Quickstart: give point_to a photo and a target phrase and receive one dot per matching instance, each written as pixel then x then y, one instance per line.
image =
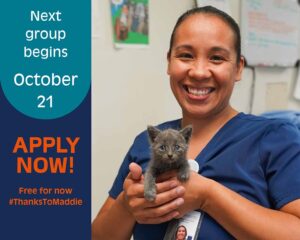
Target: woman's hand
pixel 197 190
pixel 164 208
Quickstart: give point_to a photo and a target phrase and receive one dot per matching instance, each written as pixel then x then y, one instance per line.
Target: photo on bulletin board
pixel 270 32
pixel 130 21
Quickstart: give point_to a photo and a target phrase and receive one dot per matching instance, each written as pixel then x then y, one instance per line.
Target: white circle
pixel 193 165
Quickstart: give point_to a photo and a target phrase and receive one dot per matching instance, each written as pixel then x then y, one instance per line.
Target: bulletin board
pixel 270 32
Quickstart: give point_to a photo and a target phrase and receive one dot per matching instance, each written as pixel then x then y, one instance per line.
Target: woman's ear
pixel 240 68
pixel 168 59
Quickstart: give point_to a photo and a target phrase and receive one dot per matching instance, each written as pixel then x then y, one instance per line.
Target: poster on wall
pixel 270 30
pixel 45 142
pixel 130 20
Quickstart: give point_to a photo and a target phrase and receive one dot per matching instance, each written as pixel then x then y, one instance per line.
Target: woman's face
pixel 202 65
pixel 181 233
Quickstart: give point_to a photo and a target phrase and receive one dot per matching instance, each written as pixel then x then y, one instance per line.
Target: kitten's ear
pixel 152 132
pixel 187 132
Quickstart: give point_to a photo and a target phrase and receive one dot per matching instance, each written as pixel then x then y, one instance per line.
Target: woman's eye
pixel 217 58
pixel 185 56
pixel 162 148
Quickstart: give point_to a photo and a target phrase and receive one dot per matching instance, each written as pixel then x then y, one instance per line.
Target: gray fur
pixel 168 149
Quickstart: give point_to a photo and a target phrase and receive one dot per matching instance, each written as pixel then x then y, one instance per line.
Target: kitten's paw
pixel 150 195
pixel 183 176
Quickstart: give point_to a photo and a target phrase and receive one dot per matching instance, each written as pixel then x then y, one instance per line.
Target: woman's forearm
pixel 113 221
pixel 247 220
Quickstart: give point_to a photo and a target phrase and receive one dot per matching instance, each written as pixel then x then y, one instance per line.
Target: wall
pixel 130 88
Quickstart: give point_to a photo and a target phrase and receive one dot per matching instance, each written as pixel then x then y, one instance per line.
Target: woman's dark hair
pixel 215 12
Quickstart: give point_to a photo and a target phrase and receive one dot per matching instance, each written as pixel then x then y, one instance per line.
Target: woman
pixel 181 233
pixel 248 184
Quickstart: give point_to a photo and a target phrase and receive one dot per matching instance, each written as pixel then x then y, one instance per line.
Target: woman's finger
pixel 166 185
pixel 162 213
pixel 135 171
pixel 134 190
pixel 165 197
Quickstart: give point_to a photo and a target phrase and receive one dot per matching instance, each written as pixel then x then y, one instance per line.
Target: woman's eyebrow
pixel 183 47
pixel 220 49
pixel 213 49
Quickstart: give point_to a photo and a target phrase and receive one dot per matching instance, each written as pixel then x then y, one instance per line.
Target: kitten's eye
pixel 176 147
pixel 162 148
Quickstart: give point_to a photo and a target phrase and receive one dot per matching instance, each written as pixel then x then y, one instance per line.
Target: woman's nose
pixel 199 70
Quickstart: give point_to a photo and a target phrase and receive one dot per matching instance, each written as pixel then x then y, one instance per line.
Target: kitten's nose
pixel 170 155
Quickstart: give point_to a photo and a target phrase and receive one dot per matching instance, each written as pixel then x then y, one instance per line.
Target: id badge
pixel 186 228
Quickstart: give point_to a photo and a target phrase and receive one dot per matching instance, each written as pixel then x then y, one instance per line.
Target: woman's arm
pixel 113 221
pixel 116 218
pixel 247 220
pixel 239 216
pixel 114 213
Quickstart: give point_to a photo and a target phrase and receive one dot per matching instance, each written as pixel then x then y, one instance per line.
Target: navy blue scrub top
pixel 256 157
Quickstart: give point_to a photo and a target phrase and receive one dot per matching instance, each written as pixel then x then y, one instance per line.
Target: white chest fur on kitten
pixel 168 152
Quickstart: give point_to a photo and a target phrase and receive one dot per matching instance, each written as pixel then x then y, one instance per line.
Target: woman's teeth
pixel 199 91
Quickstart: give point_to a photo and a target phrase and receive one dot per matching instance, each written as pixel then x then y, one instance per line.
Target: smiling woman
pixel 199 53
pixel 247 184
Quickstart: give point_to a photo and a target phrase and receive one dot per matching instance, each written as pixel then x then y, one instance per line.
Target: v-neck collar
pixel 207 151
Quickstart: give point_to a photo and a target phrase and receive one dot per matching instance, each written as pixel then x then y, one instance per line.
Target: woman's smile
pixel 198 93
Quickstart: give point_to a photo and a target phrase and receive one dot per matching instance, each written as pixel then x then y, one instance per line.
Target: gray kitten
pixel 168 149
